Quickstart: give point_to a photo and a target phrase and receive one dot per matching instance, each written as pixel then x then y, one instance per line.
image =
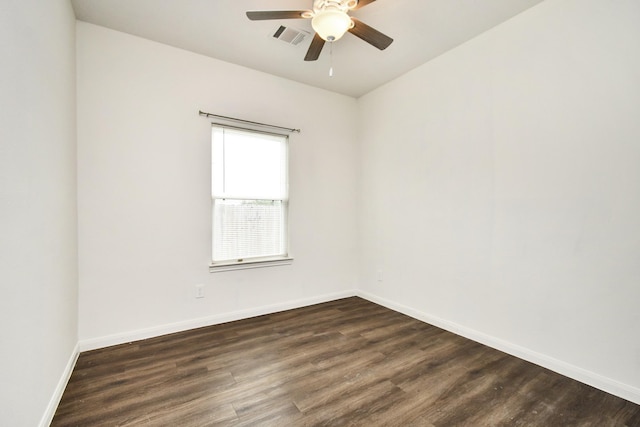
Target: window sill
pixel 229 266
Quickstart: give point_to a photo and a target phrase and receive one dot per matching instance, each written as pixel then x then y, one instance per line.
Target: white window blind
pixel 250 195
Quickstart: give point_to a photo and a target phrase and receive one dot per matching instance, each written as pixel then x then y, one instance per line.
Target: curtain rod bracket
pixel 208 115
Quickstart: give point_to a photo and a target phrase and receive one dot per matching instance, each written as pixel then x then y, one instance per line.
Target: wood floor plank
pixel 345 362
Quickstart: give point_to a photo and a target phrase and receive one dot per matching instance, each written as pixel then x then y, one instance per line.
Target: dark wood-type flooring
pixel 346 362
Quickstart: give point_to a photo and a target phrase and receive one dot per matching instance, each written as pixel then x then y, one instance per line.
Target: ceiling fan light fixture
pixel 331 24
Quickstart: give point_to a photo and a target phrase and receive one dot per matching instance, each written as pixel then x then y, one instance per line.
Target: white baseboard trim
pixel 140 334
pixel 598 381
pixel 47 417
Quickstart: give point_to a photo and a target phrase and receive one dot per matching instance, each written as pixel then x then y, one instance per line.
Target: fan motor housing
pixel 339 5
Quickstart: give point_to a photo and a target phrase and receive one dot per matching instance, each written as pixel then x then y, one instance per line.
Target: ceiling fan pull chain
pixel 331 59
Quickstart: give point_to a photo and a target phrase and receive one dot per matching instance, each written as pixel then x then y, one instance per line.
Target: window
pixel 250 198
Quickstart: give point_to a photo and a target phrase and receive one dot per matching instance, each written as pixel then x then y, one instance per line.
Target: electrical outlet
pixel 199 291
pixel 380 276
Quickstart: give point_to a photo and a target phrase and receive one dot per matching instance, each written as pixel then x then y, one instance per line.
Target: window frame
pixel 261 261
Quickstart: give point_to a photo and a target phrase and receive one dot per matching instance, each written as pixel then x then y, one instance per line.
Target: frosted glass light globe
pixel 331 24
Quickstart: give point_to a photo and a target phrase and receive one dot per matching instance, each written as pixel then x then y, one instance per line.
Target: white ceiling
pixel 421 29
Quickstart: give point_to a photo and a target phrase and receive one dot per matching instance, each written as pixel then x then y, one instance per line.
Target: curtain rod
pixel 202 113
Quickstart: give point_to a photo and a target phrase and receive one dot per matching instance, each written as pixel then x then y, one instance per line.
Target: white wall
pixel 144 189
pixel 501 190
pixel 38 250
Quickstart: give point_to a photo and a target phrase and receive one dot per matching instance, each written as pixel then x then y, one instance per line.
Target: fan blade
pixel 370 34
pixel 362 3
pixel 261 15
pixel 315 48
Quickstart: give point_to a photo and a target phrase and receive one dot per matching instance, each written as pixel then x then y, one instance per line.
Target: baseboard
pixel 59 390
pixel 598 381
pixel 140 334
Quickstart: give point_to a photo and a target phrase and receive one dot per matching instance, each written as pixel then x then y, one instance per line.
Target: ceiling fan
pixel 330 20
